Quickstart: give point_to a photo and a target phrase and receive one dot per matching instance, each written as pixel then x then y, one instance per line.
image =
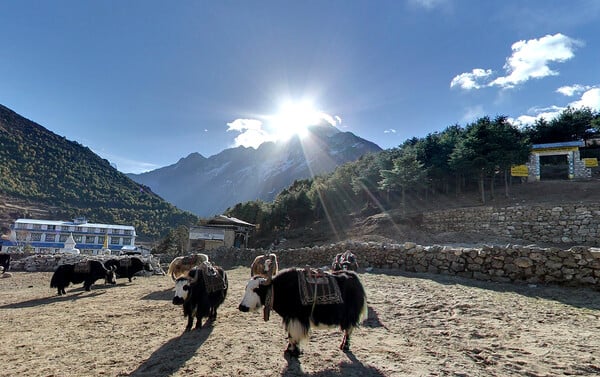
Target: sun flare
pixel 294 118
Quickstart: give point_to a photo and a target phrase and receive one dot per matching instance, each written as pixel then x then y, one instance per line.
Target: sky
pixel 145 83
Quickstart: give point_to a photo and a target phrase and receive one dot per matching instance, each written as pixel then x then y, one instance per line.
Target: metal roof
pixel 72 223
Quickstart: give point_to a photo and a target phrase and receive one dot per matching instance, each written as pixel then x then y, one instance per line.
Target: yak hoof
pixel 295 352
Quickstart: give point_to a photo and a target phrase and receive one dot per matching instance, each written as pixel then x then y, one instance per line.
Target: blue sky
pixel 145 83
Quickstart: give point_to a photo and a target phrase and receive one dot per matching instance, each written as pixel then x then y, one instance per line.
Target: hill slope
pixel 65 179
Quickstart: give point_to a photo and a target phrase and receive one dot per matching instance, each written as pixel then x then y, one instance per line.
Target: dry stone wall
pixel 49 262
pixel 577 266
pixel 576 223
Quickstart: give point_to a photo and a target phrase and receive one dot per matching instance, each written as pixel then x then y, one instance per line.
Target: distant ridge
pixel 208 186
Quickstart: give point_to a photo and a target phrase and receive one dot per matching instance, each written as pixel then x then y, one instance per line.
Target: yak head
pixel 255 293
pixel 182 289
pixel 111 275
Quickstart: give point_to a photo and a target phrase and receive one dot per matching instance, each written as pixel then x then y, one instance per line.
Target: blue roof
pixel 563 144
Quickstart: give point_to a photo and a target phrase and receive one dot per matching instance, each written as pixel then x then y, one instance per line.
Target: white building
pixel 49 236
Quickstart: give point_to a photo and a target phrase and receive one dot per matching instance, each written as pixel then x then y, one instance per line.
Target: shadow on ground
pixel 171 356
pixel 353 367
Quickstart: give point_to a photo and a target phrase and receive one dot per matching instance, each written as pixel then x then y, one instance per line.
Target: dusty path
pixel 419 325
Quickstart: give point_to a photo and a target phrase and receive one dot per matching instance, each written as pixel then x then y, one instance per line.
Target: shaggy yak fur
pixel 197 298
pixel 283 292
pixel 66 274
pixel 127 267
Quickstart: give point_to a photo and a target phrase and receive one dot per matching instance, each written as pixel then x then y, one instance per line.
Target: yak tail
pixel 53 281
pixel 364 312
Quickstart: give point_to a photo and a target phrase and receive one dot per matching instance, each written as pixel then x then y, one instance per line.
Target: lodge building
pixel 49 236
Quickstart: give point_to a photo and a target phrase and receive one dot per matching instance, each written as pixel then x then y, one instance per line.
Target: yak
pixel 127 267
pixel 285 293
pixel 201 292
pixel 181 265
pixel 263 265
pixel 345 261
pixel 4 262
pixel 85 271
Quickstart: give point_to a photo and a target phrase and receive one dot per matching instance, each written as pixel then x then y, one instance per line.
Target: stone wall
pixel 566 224
pixel 577 266
pixel 49 262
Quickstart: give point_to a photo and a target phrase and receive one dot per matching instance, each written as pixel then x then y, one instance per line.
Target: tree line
pixel 474 158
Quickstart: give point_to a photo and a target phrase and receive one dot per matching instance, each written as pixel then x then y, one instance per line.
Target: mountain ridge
pixel 241 174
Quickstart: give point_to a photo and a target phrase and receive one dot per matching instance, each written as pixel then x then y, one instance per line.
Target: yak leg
pixel 190 321
pixel 345 346
pixel 293 349
pixel 297 331
pixel 212 314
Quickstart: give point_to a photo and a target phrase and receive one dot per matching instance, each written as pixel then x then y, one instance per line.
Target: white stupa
pixel 69 246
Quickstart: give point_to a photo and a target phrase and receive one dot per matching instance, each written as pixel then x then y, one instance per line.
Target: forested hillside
pixel 38 166
pixel 433 172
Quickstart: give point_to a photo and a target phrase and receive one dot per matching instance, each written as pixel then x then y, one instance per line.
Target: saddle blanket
pixel 317 287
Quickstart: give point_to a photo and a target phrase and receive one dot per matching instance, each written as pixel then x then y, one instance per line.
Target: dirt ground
pixel 418 325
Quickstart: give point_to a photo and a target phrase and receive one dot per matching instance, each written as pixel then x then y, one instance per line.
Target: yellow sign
pixel 590 162
pixel 519 171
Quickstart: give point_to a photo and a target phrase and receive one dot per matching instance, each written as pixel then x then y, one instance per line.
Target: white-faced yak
pixel 127 267
pixel 86 272
pixel 305 298
pixel 201 292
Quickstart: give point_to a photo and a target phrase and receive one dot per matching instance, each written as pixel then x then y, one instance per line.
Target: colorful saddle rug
pixel 318 287
pixel 212 280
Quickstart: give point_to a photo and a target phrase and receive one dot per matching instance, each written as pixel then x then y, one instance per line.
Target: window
pixel 90 239
pixel 126 240
pixel 115 240
pixel 50 237
pixel 101 239
pixel 37 226
pixel 63 237
pixel 36 237
pixel 51 227
pixel 127 232
pixel 78 238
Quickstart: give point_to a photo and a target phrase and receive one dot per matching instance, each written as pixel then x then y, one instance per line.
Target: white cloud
pixel 389 131
pixel 530 58
pixel 251 132
pixel 471 80
pixel 589 99
pixel 572 90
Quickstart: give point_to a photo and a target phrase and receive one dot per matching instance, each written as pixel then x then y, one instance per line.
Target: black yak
pixel 306 298
pixel 86 272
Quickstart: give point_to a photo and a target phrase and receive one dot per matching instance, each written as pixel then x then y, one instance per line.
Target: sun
pixel 294 118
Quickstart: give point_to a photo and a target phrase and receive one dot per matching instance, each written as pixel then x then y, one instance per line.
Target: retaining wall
pixel 570 224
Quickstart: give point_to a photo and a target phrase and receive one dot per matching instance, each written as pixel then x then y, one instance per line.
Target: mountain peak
pixel 206 186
